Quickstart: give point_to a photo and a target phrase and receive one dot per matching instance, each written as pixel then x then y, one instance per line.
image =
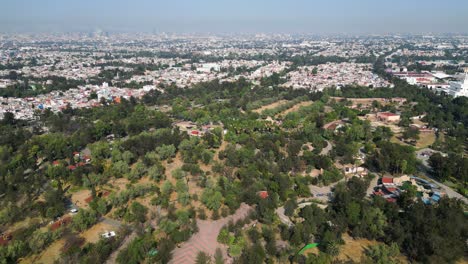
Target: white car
pixel 108 234
pixel 74 210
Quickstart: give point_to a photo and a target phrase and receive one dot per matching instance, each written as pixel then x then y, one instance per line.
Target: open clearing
pixel 78 198
pixel 425 140
pixel 49 255
pixel 93 234
pixel 354 249
pixel 206 238
pixel 270 106
pixel 294 108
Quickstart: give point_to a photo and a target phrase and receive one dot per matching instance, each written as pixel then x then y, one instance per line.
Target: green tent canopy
pixel 307 247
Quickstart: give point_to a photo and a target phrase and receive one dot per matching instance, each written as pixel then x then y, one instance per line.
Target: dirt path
pixel 206 239
pixel 113 257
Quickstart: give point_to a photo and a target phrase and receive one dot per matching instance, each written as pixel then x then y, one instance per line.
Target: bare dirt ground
pixel 93 234
pixel 294 108
pixel 79 198
pixel 120 184
pixel 375 123
pixel 49 255
pixel 270 106
pixel 206 239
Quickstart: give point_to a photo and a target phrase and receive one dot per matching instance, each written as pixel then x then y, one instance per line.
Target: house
pixel 356 170
pixel 387 181
pixel 334 126
pixel 388 117
pixel 263 194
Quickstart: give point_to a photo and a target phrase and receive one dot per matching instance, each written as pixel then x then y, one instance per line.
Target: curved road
pixel 326 149
pixel 449 191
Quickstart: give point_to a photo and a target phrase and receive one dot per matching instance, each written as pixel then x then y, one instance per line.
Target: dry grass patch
pixel 270 106
pixel 294 108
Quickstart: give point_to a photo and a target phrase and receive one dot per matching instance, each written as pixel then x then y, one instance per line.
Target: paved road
pixel 283 218
pixel 326 149
pixel 449 191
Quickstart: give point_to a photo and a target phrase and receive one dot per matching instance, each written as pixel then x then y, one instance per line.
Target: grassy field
pixel 425 140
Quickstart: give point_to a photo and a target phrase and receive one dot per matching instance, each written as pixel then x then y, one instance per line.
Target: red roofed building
pixel 387 181
pixel 263 194
pixel 61 222
pixel 391 189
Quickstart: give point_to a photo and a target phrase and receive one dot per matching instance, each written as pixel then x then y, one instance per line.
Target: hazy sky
pixel 293 16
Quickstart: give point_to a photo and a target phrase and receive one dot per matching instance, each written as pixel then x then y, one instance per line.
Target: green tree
pixel 166 151
pixel 383 254
pixel 203 258
pixel 84 219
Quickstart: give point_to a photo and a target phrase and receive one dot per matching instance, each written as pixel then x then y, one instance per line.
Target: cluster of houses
pixel 79 159
pixel 391 188
pixel 193 129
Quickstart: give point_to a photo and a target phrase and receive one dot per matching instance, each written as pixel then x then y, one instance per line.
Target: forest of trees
pixel 256 156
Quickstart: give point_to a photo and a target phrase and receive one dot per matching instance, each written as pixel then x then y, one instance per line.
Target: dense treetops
pixel 220 170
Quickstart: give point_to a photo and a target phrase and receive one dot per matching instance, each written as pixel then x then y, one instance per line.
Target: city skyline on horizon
pixel 261 16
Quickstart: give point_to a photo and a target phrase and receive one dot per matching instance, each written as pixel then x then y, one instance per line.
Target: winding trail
pixel 326 149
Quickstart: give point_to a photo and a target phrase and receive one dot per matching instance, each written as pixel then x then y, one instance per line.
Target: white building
pixel 208 67
pixel 459 88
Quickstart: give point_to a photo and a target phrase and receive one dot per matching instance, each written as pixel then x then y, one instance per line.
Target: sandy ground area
pixel 93 234
pixel 79 198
